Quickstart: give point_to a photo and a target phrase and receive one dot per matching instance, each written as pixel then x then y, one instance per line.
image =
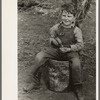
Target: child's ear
pixel 74 19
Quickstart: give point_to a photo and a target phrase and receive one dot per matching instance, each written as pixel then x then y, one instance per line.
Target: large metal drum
pixel 58 75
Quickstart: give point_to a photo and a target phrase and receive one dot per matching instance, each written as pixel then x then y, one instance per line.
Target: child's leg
pixel 76 70
pixel 76 75
pixel 40 60
pixel 44 56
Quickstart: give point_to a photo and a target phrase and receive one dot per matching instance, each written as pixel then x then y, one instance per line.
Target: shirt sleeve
pixel 79 40
pixel 53 31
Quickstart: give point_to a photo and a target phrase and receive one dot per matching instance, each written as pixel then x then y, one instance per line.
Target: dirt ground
pixel 33 34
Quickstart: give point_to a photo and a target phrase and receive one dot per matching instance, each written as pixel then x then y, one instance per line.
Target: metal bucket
pixel 58 75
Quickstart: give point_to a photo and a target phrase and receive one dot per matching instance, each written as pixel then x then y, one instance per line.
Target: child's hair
pixel 69 8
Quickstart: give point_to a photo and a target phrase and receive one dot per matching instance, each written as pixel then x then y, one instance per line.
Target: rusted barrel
pixel 58 75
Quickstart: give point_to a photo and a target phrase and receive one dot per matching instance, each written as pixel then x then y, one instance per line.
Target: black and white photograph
pixel 56 49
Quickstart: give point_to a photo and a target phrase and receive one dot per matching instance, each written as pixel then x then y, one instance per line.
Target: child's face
pixel 67 18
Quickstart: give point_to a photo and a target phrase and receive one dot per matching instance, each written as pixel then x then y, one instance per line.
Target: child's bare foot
pixel 78 92
pixel 31 86
pixel 32 83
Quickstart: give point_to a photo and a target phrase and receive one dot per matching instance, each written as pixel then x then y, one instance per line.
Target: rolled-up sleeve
pixel 79 40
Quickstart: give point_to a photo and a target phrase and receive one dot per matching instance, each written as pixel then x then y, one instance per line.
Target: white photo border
pixel 9 50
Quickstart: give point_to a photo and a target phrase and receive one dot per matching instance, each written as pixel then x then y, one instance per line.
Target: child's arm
pixel 78 45
pixel 79 40
pixel 54 40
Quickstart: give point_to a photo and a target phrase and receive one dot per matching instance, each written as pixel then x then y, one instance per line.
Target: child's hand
pixel 64 49
pixel 54 42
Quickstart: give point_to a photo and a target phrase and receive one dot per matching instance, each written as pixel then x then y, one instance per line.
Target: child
pixel 66 40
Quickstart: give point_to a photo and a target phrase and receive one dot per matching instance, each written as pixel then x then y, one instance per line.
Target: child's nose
pixel 66 18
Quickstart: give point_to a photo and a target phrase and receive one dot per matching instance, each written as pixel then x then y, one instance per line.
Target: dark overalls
pixel 67 38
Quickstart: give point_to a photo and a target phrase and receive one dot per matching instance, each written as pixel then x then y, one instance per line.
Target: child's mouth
pixel 66 21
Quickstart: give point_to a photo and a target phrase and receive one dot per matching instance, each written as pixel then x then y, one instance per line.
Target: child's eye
pixel 69 16
pixel 64 15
